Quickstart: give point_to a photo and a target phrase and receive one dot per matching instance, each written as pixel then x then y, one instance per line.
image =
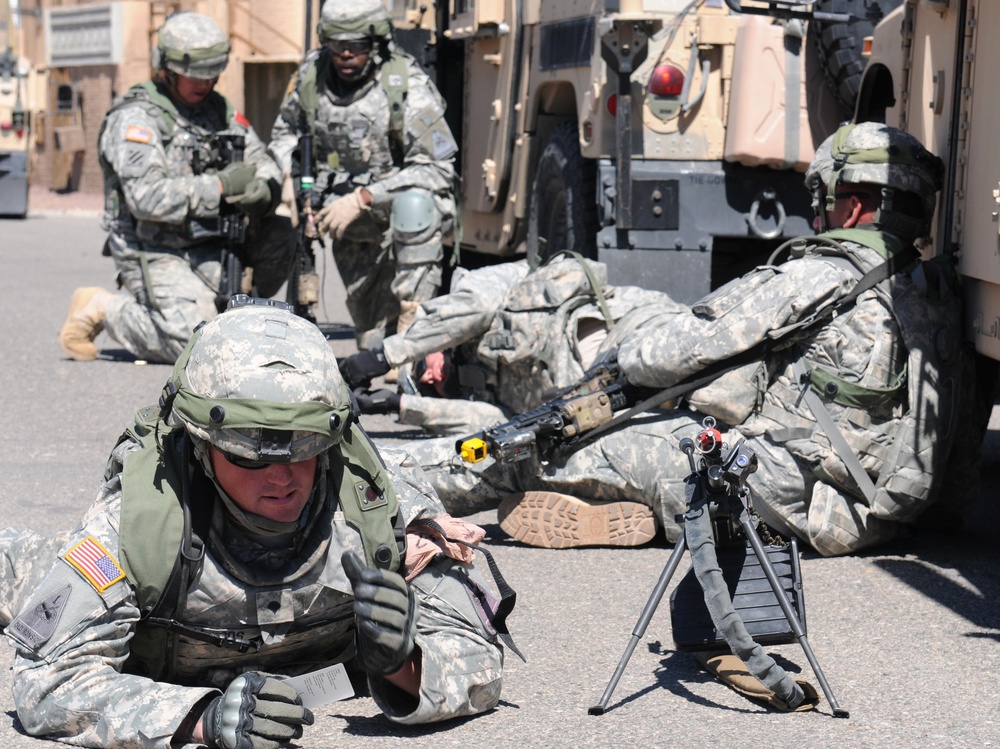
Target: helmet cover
pixel 261 383
pixel 354 20
pixel 878 154
pixel 192 45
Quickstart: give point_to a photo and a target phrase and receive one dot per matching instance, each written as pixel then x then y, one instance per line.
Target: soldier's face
pixel 278 492
pixel 192 91
pixel 350 57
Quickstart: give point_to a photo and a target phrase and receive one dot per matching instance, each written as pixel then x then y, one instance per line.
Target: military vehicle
pixel 14 126
pixel 666 138
pixel 927 73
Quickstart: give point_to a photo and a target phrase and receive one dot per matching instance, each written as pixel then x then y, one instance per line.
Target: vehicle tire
pixel 839 45
pixel 563 211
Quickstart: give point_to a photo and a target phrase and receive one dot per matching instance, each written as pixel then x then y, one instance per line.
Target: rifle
pixel 228 149
pixel 560 421
pixel 584 411
pixel 303 281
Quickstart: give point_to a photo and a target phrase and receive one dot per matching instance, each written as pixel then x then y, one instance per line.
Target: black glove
pixel 255 712
pixel 257 200
pixel 385 612
pixel 359 370
pixel 381 401
pixel 235 178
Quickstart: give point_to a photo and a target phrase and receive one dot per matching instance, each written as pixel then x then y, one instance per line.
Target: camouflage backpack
pixel 935 388
pixel 528 349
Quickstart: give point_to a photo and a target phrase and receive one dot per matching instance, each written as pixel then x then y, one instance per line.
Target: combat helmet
pixel 259 383
pixel 354 20
pixel 878 154
pixel 191 44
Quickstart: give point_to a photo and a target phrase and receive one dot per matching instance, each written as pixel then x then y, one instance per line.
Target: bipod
pixel 733 508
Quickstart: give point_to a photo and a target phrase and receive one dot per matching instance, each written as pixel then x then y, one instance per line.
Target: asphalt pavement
pixel 908 635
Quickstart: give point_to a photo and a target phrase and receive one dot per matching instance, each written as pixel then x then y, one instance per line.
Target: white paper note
pixel 322 687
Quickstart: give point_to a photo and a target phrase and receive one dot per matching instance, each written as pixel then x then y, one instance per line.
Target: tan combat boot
pixel 84 321
pixel 407 313
pixel 559 521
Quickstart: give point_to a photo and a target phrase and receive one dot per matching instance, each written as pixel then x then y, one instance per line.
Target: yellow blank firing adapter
pixel 473 450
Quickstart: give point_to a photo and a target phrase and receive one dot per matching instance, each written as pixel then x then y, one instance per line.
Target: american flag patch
pixel 95 563
pixel 138 134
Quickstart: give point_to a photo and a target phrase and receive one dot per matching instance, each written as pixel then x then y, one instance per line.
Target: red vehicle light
pixel 667 80
pixel 613 104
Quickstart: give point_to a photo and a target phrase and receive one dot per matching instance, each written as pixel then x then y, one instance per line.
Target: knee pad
pixel 415 218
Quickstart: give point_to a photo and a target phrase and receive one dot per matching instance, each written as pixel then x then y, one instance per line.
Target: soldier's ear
pixel 857 213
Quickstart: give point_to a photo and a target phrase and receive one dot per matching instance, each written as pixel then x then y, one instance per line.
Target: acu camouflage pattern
pixel 163 220
pixel 354 20
pixel 191 44
pixel 353 149
pixel 521 329
pixel 265 355
pixel 875 153
pixel 801 485
pixel 76 686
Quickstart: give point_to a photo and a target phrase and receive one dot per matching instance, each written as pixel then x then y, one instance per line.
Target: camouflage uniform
pixel 517 364
pixel 802 485
pixel 163 216
pixel 288 594
pixel 381 266
pixel 162 220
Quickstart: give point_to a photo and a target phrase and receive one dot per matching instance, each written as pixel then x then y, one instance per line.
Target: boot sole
pixel 559 521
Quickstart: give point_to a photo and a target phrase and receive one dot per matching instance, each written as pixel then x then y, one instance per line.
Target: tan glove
pixel 341 213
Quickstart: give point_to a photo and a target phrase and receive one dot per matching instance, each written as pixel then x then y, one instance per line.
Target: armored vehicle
pixel 666 138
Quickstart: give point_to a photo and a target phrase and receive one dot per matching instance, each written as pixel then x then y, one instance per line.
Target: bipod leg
pixel 640 626
pixel 786 607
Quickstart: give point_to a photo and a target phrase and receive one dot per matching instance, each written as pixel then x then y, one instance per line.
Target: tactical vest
pixel 393 76
pixel 163 531
pixel 149 94
pixel 528 349
pixel 903 432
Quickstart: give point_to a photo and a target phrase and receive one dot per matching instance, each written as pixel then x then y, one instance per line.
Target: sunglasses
pixel 247 463
pixel 354 46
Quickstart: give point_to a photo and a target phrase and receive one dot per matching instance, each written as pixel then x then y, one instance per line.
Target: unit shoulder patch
pixel 95 563
pixel 35 626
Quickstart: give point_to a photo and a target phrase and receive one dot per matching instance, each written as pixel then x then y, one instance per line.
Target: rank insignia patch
pixel 95 563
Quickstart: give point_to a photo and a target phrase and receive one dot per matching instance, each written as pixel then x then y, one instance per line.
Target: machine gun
pixel 225 149
pixel 303 282
pixel 721 604
pixel 557 422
